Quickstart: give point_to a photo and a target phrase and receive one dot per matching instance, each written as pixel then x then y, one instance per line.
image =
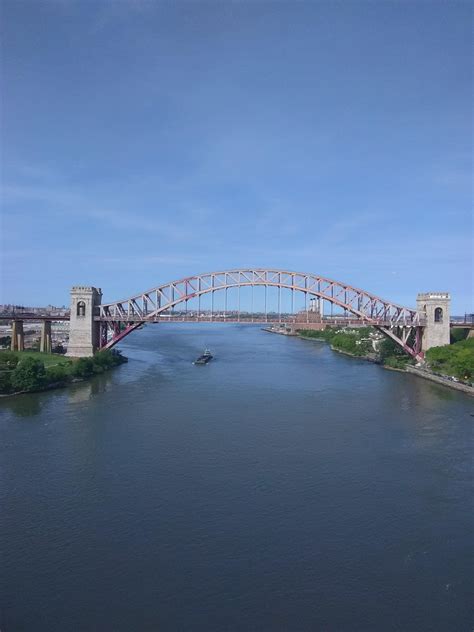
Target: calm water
pixel 281 487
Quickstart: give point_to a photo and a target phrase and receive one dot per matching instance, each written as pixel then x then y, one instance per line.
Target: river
pixel 281 487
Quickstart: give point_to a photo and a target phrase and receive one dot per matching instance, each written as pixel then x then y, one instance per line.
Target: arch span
pixel 124 316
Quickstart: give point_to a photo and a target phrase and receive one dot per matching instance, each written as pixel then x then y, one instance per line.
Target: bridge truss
pixel 401 324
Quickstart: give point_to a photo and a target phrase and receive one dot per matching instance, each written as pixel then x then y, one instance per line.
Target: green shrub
pixel 5 382
pixel 57 374
pixel 29 375
pixel 321 334
pixel 389 348
pixel 8 360
pixel 458 334
pixel 397 362
pixel 456 359
pixel 104 359
pixel 350 342
pixel 84 367
pixel 107 359
pixel 25 372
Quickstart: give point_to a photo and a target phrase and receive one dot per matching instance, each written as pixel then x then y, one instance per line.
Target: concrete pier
pixel 46 341
pixel 18 336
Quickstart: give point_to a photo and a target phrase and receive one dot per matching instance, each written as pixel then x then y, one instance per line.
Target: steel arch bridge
pixel 401 324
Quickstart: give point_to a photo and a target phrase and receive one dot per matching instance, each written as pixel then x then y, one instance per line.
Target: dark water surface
pixel 281 487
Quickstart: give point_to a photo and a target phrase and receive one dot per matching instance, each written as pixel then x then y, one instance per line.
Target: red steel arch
pixel 397 322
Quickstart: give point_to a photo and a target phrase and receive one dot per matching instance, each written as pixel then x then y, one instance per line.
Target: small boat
pixel 204 358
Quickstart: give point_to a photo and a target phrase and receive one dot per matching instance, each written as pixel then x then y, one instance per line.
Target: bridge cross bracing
pixel 119 318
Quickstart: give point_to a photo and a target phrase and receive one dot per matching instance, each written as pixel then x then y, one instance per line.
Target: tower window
pixel 438 315
pixel 81 308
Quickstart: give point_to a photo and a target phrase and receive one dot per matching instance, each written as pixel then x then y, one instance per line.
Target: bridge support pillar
pixel 46 340
pixel 83 329
pixel 433 308
pixel 18 336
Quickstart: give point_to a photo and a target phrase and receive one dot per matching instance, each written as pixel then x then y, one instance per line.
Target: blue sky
pixel 145 141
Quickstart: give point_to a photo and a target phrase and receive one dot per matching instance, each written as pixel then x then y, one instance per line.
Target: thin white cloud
pixel 59 201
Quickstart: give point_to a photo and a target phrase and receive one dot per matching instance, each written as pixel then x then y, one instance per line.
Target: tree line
pixel 456 359
pixel 26 374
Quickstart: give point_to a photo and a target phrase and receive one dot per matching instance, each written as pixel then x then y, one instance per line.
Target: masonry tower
pixel 433 308
pixel 84 330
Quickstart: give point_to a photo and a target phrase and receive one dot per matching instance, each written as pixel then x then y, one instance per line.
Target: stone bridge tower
pixel 433 308
pixel 83 329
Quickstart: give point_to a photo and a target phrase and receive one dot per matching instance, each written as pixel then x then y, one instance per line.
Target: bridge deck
pixel 215 319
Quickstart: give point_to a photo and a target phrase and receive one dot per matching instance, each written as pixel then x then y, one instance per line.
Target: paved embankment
pixel 441 380
pixel 282 332
pixel 427 375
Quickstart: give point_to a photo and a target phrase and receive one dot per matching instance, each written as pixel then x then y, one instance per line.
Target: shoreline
pixel 280 333
pixel 70 380
pixel 437 379
pixel 49 387
pixel 353 355
pixel 57 385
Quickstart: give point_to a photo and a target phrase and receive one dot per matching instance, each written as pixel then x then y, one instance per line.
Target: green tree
pixel 108 358
pixel 456 359
pixel 458 334
pixel 104 359
pixel 351 342
pixel 8 360
pixel 5 382
pixel 28 375
pixel 463 364
pixel 321 334
pixel 388 348
pixel 57 374
pixel 84 367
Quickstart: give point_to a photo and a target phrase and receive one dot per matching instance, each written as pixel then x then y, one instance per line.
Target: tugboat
pixel 204 358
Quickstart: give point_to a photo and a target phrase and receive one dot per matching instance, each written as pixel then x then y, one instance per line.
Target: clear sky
pixel 145 141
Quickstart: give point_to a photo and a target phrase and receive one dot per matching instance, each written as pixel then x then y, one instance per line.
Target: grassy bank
pixel 356 342
pixel 29 371
pixel 360 342
pixel 48 359
pixel 454 361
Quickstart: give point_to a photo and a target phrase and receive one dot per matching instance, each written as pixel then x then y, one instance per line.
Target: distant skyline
pixel 145 141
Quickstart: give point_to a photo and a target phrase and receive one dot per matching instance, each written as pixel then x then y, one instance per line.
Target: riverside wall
pixel 440 380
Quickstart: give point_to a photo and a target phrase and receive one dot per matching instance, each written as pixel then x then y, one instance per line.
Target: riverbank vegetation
pixel 392 355
pixel 357 342
pixel 456 360
pixel 458 334
pixel 28 371
pixel 362 342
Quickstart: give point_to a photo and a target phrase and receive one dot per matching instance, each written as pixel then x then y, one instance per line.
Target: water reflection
pixel 32 404
pixel 281 474
pixel 84 391
pixel 27 405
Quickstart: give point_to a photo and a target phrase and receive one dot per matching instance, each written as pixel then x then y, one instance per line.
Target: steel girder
pixel 126 315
